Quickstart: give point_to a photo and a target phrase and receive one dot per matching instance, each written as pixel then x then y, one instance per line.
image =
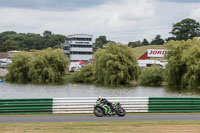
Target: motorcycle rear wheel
pixel 121 112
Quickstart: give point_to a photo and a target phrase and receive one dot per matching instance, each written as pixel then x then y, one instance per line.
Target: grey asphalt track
pixel 81 118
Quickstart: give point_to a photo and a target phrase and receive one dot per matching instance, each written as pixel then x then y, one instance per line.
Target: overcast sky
pixel 120 20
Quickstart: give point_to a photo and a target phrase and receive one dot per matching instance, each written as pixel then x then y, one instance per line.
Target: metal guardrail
pixel 86 104
pixel 174 104
pixel 22 106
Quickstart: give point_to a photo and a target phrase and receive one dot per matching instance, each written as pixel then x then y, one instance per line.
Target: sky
pixel 119 20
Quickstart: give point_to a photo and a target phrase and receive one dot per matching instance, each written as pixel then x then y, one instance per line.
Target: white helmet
pixel 100 98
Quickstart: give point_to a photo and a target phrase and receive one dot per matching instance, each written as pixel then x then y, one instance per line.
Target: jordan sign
pixel 156 52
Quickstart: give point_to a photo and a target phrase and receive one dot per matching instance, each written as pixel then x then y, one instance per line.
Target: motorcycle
pixel 101 109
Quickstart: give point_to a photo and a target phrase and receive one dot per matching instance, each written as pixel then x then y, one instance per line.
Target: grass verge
pixel 49 114
pixel 101 127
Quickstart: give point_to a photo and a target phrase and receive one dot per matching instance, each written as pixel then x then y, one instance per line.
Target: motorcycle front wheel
pixel 98 112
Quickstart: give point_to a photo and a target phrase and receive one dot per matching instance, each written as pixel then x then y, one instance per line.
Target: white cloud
pixel 195 14
pixel 122 20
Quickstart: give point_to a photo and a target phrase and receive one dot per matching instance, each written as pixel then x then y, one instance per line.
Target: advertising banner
pixel 156 52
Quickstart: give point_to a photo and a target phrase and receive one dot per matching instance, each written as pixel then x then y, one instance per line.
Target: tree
pixel 151 76
pixel 191 57
pixel 134 44
pixel 10 45
pixel 86 75
pixel 186 29
pixel 183 68
pixel 18 70
pixel 100 42
pixel 157 40
pixel 11 40
pixel 46 66
pixel 145 42
pixel 170 38
pixel 116 64
pixel 47 34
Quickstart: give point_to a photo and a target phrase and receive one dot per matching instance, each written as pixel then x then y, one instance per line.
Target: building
pixel 153 56
pixel 3 55
pixel 78 47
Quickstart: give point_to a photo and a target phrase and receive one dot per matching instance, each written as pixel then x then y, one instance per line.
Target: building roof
pixel 3 55
pixel 80 36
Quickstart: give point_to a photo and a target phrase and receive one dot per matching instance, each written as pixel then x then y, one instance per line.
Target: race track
pixel 81 118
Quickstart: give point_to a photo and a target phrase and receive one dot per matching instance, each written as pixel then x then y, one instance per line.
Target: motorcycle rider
pixel 105 101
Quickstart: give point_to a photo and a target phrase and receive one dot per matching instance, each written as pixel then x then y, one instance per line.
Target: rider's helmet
pixel 100 98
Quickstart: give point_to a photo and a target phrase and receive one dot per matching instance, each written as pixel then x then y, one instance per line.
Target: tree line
pixel 11 40
pixel 183 30
pixel 115 64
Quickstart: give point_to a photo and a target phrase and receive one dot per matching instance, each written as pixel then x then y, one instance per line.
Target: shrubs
pixel 151 76
pixel 46 66
pixel 86 75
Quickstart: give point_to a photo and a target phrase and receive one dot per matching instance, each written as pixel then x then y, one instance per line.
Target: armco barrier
pixel 174 104
pixel 85 104
pixel 17 106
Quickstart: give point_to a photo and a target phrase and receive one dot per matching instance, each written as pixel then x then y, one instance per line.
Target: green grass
pixel 141 50
pixel 103 127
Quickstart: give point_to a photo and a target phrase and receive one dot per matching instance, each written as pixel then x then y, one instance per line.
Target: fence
pixel 85 104
pixel 17 106
pixel 174 104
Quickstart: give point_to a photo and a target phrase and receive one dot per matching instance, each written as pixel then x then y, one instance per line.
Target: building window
pixel 80 46
pixel 80 52
pixel 79 39
pixel 66 48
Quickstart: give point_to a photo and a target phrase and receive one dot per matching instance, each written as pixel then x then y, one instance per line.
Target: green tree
pixel 4 36
pixel 48 66
pixel 176 67
pixel 11 40
pixel 86 75
pixel 151 76
pixel 100 42
pixel 186 29
pixel 47 34
pixel 145 42
pixel 191 57
pixel 18 70
pixel 10 45
pixel 157 40
pixel 134 44
pixel 116 64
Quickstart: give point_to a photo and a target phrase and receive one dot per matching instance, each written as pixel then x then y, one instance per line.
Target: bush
pixel 46 66
pixel 151 76
pixel 86 75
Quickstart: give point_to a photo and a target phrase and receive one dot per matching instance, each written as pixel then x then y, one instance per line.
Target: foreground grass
pixel 101 127
pixel 135 113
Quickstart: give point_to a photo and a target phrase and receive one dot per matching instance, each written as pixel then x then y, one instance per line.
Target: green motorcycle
pixel 101 109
